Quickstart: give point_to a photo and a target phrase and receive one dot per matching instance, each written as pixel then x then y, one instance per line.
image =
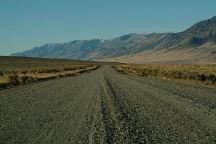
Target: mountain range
pixel 197 44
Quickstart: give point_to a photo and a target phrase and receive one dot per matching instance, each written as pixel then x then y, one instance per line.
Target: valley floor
pixel 105 106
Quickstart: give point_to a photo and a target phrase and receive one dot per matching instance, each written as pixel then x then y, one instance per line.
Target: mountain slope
pixel 198 42
pixel 76 49
pixel 194 45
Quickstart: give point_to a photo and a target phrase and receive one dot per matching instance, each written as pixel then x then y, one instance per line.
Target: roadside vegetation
pixel 199 73
pixel 15 71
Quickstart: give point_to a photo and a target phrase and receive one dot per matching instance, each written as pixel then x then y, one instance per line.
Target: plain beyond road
pixel 105 106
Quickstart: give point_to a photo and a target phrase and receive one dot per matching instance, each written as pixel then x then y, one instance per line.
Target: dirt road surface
pixel 105 106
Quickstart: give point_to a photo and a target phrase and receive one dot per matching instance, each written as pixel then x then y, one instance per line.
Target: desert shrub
pixel 52 70
pixel 14 79
pixel 165 74
pixel 144 74
pixel 23 79
pixel 190 76
pixel 154 72
pixel 201 77
pixel 12 71
pixel 33 71
pixel 1 73
pixel 211 78
pixel 60 75
pixel 48 70
pixel 184 76
pixel 24 72
pixel 176 75
pixel 26 79
pixel 69 69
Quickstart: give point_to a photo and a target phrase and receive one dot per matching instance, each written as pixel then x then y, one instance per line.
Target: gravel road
pixel 105 106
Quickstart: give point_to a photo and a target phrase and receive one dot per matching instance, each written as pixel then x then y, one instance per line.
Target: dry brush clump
pixel 1 73
pixel 26 79
pixel 202 73
pixel 13 79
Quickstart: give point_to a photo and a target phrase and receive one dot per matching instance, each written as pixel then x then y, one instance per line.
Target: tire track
pixel 136 128
pixel 115 132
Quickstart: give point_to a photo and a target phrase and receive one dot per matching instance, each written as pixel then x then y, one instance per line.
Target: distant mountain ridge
pixel 199 40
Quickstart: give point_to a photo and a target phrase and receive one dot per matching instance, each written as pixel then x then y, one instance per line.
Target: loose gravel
pixel 105 106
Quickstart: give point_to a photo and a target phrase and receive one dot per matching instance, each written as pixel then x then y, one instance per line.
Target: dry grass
pixel 201 73
pixel 22 71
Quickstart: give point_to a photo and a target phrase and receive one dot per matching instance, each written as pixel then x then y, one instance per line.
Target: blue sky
pixel 25 24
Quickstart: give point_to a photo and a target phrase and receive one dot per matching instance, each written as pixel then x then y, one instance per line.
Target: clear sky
pixel 25 24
